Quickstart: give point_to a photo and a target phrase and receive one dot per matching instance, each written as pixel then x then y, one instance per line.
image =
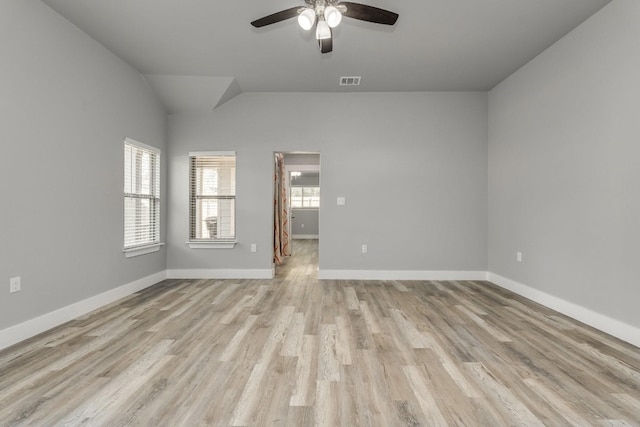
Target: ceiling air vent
pixel 350 81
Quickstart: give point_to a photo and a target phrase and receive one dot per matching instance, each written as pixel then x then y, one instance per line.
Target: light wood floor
pixel 295 351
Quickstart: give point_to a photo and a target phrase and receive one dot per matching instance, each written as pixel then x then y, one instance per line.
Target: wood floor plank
pixel 306 368
pixel 233 346
pixel 298 351
pixel 379 405
pixel 343 340
pixel 424 395
pixel 328 364
pixel 293 342
pixel 274 407
pixel 351 298
pixel 455 407
pixel 117 391
pixel 370 320
pixel 242 414
pixel 500 393
pixel 569 414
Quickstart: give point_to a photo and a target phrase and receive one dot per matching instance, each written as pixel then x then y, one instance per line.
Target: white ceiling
pixel 198 53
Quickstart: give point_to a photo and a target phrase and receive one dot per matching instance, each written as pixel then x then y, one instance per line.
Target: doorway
pixel 296 213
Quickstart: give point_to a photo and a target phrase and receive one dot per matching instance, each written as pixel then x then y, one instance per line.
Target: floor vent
pixel 350 81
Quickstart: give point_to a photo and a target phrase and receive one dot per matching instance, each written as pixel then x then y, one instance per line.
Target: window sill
pixel 212 245
pixel 130 253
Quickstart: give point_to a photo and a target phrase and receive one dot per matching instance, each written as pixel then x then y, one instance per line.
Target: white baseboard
pixel 305 236
pixel 220 274
pixel 400 275
pixel 32 327
pixel 624 331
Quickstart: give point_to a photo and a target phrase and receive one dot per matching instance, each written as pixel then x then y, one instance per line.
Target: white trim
pixel 220 274
pixel 211 245
pixel 32 327
pixel 400 275
pixel 624 331
pixel 302 168
pixel 305 236
pixel 132 252
pixel 143 145
pixel 211 153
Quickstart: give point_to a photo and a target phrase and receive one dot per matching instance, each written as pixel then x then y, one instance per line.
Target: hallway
pixel 303 262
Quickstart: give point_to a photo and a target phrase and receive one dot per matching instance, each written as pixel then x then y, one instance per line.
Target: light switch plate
pixel 15 285
pixel 341 201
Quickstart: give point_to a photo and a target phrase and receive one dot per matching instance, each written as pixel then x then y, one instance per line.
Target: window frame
pixel 196 242
pixel 302 197
pixel 152 227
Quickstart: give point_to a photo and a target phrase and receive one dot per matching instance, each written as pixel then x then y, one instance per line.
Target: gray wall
pixel 412 166
pixel 308 179
pixel 66 106
pixel 305 222
pixel 305 159
pixel 564 178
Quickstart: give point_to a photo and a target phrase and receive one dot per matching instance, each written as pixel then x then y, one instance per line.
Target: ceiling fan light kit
pixel 323 31
pixel 327 14
pixel 333 16
pixel 306 19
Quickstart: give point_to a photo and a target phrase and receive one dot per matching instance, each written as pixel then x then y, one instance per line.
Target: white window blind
pixel 141 195
pixel 212 196
pixel 305 197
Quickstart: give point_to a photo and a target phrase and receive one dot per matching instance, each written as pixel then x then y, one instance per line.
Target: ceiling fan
pixel 327 14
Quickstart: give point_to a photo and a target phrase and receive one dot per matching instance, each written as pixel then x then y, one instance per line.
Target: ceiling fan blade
pixel 368 13
pixel 276 17
pixel 326 45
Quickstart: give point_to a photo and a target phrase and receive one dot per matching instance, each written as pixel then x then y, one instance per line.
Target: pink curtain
pixel 281 214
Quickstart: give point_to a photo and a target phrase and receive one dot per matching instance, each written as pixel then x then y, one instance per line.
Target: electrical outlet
pixel 301 225
pixel 254 247
pixel 519 256
pixel 364 249
pixel 341 201
pixel 15 285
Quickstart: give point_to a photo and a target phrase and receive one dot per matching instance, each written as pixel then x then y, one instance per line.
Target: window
pixel 305 197
pixel 212 199
pixel 141 198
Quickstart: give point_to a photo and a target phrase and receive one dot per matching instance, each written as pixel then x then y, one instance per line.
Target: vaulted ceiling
pixel 196 54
